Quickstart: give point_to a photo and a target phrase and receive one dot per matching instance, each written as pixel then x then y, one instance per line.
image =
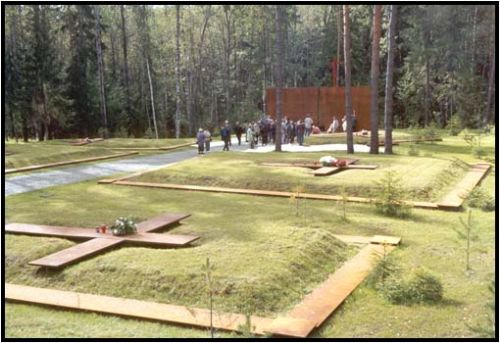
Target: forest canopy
pixel 129 70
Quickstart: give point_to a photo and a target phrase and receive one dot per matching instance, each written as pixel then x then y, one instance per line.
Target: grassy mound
pixel 243 170
pixel 260 266
pixel 177 276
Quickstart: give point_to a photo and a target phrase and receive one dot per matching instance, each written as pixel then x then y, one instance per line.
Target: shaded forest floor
pixel 266 255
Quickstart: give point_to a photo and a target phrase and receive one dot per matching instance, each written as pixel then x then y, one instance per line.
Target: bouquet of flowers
pixel 123 226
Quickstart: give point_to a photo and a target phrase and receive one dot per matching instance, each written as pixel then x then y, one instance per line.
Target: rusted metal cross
pixel 320 170
pixel 99 241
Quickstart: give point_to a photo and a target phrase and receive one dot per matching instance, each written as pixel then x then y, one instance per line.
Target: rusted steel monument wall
pixel 322 103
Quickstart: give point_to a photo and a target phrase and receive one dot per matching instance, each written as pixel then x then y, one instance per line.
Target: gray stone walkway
pixel 51 177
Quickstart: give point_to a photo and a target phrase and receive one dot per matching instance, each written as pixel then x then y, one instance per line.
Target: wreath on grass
pixel 123 226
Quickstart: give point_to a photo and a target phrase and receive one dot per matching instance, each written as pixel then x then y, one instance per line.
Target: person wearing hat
pixel 200 139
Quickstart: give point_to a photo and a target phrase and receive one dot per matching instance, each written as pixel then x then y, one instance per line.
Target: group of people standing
pixel 335 125
pixel 264 131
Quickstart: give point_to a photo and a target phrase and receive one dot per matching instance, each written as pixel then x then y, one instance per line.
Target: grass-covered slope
pixel 423 177
pixel 28 154
pixel 264 257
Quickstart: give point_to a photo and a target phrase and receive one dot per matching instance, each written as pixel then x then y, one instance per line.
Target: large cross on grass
pixel 320 170
pixel 100 241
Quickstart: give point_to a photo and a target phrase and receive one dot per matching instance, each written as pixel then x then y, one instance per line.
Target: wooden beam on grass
pixel 64 163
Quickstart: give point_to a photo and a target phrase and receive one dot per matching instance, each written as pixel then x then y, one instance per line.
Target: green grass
pixel 234 245
pixel 265 257
pixel 34 153
pixel 421 175
pixel 41 322
pixel 28 154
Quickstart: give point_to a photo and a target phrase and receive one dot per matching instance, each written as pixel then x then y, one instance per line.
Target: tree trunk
pixel 347 75
pixel 279 72
pixel 388 82
pixel 45 113
pixel 189 101
pixel 427 41
pixel 491 82
pixel 113 55
pixel 13 42
pixel 177 74
pixel 474 34
pixel 152 98
pixel 377 26
pixel 100 71
pixel 227 54
pixel 339 46
pixel 26 134
pixel 126 80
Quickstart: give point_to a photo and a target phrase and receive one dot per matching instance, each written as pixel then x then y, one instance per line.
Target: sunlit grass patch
pixel 242 170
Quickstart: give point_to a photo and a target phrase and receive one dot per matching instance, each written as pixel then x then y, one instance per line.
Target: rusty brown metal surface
pixel 160 221
pixel 260 192
pixel 101 241
pixel 323 171
pixel 136 308
pixel 322 103
pixel 55 231
pixel 460 192
pixel 75 253
pixel 320 304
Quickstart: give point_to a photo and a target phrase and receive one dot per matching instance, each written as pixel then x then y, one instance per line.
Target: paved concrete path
pixel 55 177
pixel 78 173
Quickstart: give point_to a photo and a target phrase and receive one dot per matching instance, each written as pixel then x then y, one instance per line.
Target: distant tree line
pixel 165 70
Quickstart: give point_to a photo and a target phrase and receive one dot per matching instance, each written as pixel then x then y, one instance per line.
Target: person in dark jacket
pixel 299 130
pixel 200 139
pixel 225 134
pixel 238 130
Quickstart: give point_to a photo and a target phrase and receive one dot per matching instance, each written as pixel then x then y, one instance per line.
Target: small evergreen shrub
pixel 420 287
pixel 478 198
pixel 454 125
pixel 385 268
pixel 389 196
pixel 478 152
pixel 425 287
pixel 430 131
